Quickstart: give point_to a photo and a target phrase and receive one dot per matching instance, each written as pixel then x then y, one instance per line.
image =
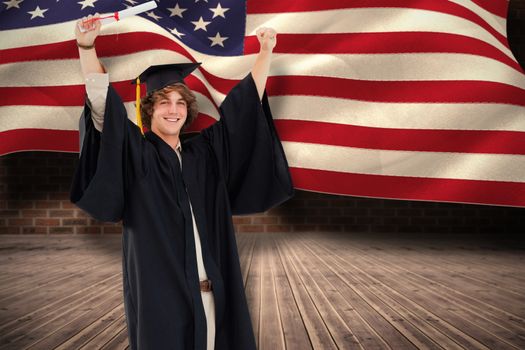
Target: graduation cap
pixel 158 77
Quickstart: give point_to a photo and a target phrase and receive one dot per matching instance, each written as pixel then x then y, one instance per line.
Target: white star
pixel 217 40
pixel 200 24
pixel 176 11
pixel 132 2
pixel 153 15
pixel 87 3
pixel 218 11
pixel 174 31
pixel 196 1
pixel 37 12
pixel 12 3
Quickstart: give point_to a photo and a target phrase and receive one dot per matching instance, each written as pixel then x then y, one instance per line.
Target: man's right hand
pixel 91 27
pixel 88 55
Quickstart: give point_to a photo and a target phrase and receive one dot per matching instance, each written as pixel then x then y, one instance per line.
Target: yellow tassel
pixel 137 106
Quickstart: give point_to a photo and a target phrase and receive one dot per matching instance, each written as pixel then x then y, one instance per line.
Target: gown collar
pixel 160 143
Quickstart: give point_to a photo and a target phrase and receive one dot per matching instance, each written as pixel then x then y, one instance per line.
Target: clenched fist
pixel 267 38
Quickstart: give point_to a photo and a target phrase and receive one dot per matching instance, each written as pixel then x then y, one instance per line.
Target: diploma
pixel 117 16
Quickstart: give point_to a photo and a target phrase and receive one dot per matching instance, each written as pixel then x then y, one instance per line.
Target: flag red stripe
pixel 398 91
pixel 254 7
pixel 467 141
pixel 127 91
pixel 201 122
pixel 54 95
pixel 414 188
pixel 374 43
pixel 445 91
pixel 377 91
pixel 107 46
pixel 410 188
pixel 497 7
pixel 447 7
pixel 52 51
pixel 337 43
pixel 42 95
pixel 38 139
pixel 63 140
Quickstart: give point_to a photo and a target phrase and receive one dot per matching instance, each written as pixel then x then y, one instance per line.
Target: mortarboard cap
pixel 160 76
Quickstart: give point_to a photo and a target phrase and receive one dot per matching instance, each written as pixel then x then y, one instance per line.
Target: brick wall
pixel 34 196
pixel 34 190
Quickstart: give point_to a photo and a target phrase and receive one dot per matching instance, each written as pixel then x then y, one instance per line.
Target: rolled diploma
pixel 132 11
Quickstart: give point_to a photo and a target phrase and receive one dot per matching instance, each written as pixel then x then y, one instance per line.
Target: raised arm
pixel 89 61
pixel 110 146
pixel 96 81
pixel 267 39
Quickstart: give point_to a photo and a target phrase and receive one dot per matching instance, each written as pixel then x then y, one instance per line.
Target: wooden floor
pixel 305 291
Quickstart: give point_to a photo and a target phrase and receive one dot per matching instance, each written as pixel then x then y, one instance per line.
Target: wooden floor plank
pixel 295 334
pixel 253 288
pixel 20 326
pixel 481 321
pixel 505 325
pixel 62 327
pixel 408 310
pixel 319 334
pixel 271 335
pixel 109 320
pixel 57 287
pixel 372 287
pixel 489 333
pixel 304 291
pixel 115 336
pixel 246 254
pixel 42 270
pixel 402 332
pixel 307 267
pixel 478 286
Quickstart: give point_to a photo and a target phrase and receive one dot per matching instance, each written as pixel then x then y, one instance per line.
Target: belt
pixel 205 286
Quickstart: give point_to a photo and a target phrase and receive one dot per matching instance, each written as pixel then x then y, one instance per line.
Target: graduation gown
pixel 235 166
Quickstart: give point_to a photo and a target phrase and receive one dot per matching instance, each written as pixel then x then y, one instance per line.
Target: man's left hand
pixel 267 38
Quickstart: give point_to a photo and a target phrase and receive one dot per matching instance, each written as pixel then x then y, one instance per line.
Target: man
pixel 182 283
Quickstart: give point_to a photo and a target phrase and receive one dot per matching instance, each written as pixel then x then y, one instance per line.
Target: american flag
pixel 419 100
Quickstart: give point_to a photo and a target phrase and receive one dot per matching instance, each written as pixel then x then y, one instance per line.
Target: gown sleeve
pixel 109 161
pixel 249 152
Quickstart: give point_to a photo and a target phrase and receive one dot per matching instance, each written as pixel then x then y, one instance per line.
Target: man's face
pixel 169 115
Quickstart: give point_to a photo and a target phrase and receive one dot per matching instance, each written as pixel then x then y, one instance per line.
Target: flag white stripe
pixel 498 23
pixel 40 35
pixel 379 67
pixel 441 165
pixel 39 117
pixel 439 116
pixel 66 118
pixel 451 116
pixel 64 31
pixel 367 21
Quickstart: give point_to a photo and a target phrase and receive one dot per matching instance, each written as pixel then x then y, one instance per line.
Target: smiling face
pixel 152 102
pixel 169 115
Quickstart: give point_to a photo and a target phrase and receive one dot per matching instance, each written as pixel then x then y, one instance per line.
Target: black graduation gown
pixel 235 166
